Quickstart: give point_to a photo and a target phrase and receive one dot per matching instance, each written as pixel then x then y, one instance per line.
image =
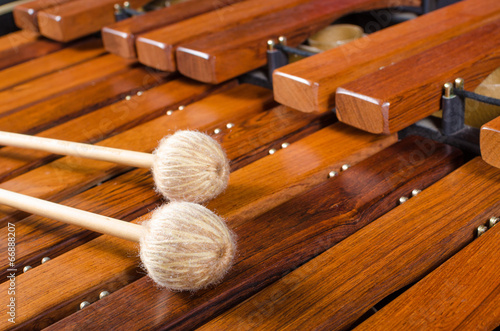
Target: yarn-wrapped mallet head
pixel 187 166
pixel 184 246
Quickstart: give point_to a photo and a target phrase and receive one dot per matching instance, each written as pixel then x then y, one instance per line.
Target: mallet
pixel 184 246
pixel 186 166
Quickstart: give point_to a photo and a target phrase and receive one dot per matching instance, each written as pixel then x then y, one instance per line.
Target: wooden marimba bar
pixel 334 219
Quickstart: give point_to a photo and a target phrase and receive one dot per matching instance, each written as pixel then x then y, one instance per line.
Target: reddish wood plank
pixel 490 142
pixel 230 53
pixel 26 14
pixel 334 289
pixel 399 95
pixel 306 225
pixel 81 100
pixel 78 18
pixel 21 46
pixel 462 294
pixel 119 38
pixel 310 84
pixel 51 85
pixel 157 48
pixel 47 64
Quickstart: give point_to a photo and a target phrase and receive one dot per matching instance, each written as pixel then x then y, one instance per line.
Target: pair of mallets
pixel 184 246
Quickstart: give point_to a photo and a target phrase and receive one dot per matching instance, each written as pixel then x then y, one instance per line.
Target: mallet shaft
pixel 130 158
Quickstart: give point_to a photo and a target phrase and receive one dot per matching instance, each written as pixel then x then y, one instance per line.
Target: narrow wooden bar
pixel 119 38
pixel 21 46
pixel 78 18
pixel 26 14
pixel 336 288
pixel 51 85
pixel 490 142
pixel 47 64
pixel 310 84
pixel 157 48
pixel 70 175
pixel 306 225
pixel 399 95
pixel 462 294
pixel 230 53
pixel 81 100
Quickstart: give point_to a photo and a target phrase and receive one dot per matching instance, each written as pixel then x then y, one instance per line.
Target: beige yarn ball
pixel 185 246
pixel 190 166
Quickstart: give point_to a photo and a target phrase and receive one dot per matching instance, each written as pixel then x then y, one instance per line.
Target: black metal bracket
pixel 124 12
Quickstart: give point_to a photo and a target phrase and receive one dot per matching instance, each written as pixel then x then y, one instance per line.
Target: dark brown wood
pixel 54 84
pixel 230 53
pixel 157 48
pixel 310 84
pixel 70 175
pixel 283 238
pixel 26 14
pixel 119 38
pixel 334 289
pixel 78 18
pixel 47 64
pixel 462 294
pixel 21 46
pixel 490 142
pixel 399 95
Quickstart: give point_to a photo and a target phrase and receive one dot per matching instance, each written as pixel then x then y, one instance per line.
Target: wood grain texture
pixel 490 142
pixel 21 46
pixel 45 87
pixel 26 14
pixel 462 294
pixel 157 48
pixel 306 225
pixel 230 53
pixel 334 289
pixel 61 108
pixel 310 84
pixel 70 175
pixel 47 64
pixel 401 94
pixel 119 38
pixel 78 18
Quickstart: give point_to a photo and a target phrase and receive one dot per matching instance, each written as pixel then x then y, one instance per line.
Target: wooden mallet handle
pixel 130 158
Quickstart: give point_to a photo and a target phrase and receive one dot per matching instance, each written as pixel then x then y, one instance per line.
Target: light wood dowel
pixel 84 219
pixel 130 158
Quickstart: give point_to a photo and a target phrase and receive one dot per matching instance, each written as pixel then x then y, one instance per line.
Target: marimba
pixel 343 218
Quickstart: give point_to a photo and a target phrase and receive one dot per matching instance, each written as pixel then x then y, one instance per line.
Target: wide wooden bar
pixel 490 142
pixel 397 96
pixel 333 290
pixel 462 294
pixel 119 38
pixel 230 53
pixel 157 48
pixel 307 224
pixel 26 14
pixel 78 18
pixel 310 85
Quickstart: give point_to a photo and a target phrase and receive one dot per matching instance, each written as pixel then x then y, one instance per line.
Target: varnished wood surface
pixel 490 142
pixel 119 38
pixel 71 20
pixel 333 290
pixel 64 58
pixel 310 84
pixel 306 225
pixel 26 14
pixel 21 46
pixel 399 95
pixel 462 294
pixel 230 53
pixel 157 48
pixel 54 84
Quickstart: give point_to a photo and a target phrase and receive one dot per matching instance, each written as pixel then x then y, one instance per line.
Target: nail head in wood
pixel 402 200
pixel 345 167
pixel 285 145
pixel 493 221
pixel 84 304
pixel 229 125
pixel 26 268
pixel 415 192
pixel 45 259
pixel 272 151
pixel 481 230
pixel 217 131
pixel 332 174
pixel 103 294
